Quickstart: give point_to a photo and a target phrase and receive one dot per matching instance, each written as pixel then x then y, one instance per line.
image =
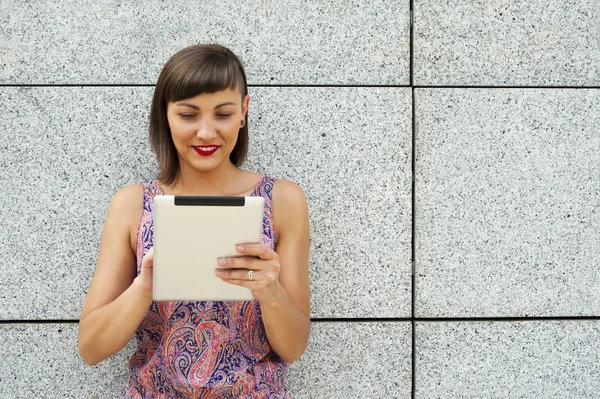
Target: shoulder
pixel 128 197
pixel 286 191
pixel 127 203
pixel 289 202
pixel 125 211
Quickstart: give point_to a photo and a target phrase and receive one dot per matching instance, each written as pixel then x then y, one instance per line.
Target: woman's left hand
pixel 257 270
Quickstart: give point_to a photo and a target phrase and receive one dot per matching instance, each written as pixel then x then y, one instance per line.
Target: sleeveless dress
pixel 203 350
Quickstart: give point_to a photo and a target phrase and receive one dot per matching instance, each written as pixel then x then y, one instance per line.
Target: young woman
pixel 199 133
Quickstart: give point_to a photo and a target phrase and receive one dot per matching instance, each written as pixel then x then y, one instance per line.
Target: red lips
pixel 206 150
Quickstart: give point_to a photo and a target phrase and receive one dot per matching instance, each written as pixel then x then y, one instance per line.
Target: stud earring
pixel 243 123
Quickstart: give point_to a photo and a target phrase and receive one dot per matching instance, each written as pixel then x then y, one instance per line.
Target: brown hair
pixel 197 69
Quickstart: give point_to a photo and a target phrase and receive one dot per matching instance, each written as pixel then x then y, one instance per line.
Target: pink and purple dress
pixel 204 350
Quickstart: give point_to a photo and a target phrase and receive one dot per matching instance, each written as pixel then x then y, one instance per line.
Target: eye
pixel 223 115
pixel 186 116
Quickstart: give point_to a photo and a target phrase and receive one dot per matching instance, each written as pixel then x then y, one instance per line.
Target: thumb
pixel 148 259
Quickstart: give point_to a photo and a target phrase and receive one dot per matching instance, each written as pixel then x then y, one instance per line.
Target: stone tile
pixel 71 148
pixel 350 360
pixel 354 360
pixel 504 42
pixel 507 202
pixel 66 151
pixel 284 42
pixel 350 149
pixel 530 359
pixel 41 360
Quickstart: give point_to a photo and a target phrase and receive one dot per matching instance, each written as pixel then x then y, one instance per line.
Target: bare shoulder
pixel 126 208
pixel 289 206
pixel 287 194
pixel 129 196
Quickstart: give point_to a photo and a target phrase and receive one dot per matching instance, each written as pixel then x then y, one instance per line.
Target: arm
pixel 117 300
pixel 280 280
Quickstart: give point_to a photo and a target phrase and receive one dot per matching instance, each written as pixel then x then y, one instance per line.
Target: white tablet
pixel 190 234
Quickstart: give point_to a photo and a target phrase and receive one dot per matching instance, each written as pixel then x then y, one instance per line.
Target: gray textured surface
pixel 72 148
pixel 506 42
pixel 354 361
pixel 507 202
pixel 343 360
pixel 64 153
pixel 41 361
pixel 289 41
pixel 350 149
pixel 542 359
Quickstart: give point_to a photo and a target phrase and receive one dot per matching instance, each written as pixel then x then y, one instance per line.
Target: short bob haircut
pixel 197 69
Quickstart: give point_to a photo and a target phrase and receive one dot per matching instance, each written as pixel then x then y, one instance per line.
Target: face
pixel 205 128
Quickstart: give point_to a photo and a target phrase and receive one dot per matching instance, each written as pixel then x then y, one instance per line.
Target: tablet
pixel 190 234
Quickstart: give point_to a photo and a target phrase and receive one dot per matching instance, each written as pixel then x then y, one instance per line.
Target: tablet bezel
pixel 190 234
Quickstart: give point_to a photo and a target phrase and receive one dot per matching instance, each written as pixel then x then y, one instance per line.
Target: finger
pixel 148 259
pixel 247 275
pixel 259 250
pixel 244 262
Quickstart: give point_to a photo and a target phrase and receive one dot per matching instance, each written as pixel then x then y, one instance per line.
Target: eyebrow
pixel 196 108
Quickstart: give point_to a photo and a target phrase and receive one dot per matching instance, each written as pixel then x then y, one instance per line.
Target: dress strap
pixel 264 189
pixel 146 225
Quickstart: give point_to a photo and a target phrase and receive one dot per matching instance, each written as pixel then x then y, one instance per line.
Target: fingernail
pixel 219 273
pixel 239 248
pixel 221 262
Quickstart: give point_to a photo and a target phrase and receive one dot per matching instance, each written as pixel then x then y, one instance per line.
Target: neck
pixel 221 181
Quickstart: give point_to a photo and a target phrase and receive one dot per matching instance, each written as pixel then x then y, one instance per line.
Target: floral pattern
pixel 204 350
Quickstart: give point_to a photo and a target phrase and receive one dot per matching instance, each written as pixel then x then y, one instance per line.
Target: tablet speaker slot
pixel 209 201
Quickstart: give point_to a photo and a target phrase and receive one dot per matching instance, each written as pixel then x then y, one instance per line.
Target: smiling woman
pixel 207 125
pixel 199 133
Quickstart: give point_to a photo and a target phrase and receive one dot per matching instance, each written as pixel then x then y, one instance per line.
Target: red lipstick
pixel 206 150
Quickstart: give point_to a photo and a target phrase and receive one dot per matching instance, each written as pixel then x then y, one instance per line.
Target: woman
pixel 199 133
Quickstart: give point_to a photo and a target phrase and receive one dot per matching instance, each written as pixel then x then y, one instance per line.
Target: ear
pixel 245 103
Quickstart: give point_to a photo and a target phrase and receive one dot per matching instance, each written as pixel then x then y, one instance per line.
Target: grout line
pixel 49 321
pixel 411 48
pixel 413 324
pixel 507 319
pixel 454 319
pixel 500 87
pixel 78 85
pixel 152 85
pixel 413 344
pixel 411 85
pixel 412 320
pixel 413 249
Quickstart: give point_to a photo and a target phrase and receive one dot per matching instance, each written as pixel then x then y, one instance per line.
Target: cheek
pixel 180 130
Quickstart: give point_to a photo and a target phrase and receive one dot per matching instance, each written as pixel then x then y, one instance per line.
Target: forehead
pixel 211 99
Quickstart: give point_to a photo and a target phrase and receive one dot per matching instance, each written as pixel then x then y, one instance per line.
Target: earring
pixel 243 123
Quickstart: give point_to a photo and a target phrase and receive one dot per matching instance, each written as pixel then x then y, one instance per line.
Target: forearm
pixel 106 330
pixel 287 328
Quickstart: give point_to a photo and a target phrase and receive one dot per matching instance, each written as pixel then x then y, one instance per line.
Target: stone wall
pixel 449 150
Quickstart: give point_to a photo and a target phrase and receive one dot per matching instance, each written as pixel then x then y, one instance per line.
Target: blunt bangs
pixel 218 73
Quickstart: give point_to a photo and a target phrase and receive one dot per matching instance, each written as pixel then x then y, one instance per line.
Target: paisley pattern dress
pixel 204 350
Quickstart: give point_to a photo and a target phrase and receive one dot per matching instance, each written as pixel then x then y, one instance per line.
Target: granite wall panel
pixel 343 360
pixel 350 149
pixel 65 152
pixel 71 148
pixel 41 361
pixel 527 359
pixel 507 202
pixel 281 42
pixel 506 43
pixel 354 360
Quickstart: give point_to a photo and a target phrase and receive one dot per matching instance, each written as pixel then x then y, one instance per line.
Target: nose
pixel 206 131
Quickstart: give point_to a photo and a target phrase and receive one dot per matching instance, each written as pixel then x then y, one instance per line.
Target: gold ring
pixel 250 275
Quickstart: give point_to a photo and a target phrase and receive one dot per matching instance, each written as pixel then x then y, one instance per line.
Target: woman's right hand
pixel 145 276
